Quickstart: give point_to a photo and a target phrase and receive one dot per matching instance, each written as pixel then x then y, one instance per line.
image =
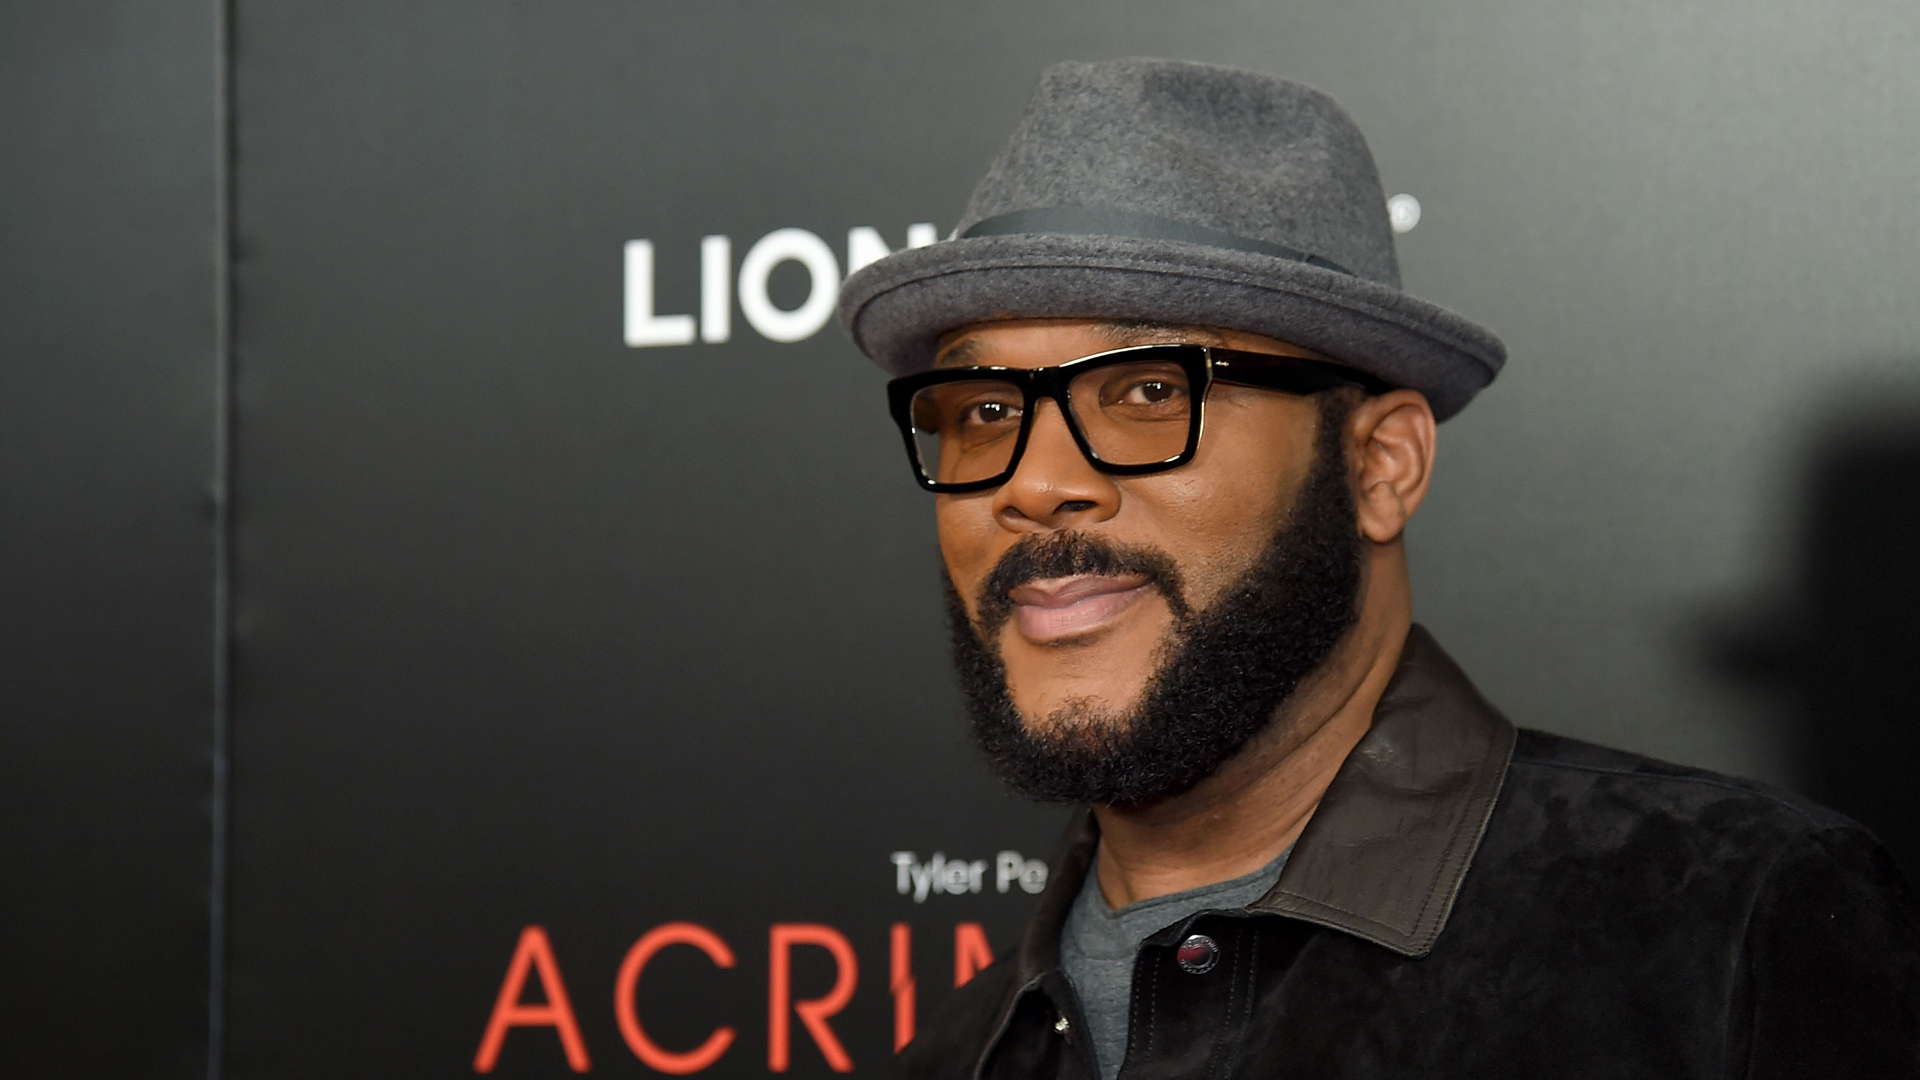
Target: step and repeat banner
pixel 588 694
pixel 592 702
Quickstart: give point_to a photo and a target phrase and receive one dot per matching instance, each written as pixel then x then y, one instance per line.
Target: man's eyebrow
pixel 1145 332
pixel 961 354
pixel 1118 333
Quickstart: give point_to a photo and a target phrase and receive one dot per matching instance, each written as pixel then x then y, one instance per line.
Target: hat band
pixel 1102 221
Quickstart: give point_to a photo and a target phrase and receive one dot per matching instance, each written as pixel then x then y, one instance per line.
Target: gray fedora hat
pixel 1181 193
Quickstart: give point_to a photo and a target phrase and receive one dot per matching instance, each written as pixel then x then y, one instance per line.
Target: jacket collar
pixel 1383 856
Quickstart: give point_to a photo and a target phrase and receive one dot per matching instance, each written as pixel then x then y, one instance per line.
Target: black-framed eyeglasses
pixel 1132 411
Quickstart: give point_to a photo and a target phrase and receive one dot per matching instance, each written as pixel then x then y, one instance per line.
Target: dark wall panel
pixel 108 143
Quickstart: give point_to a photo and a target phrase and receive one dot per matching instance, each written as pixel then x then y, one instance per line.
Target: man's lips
pixel 1060 608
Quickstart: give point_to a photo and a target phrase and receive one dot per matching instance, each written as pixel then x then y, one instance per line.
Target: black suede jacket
pixel 1474 901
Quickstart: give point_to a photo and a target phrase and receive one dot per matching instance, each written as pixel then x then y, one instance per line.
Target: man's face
pixel 1081 587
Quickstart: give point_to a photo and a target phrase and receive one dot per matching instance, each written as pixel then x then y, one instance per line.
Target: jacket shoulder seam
pixel 1703 781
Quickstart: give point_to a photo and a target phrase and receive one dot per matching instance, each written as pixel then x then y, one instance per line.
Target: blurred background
pixel 368 598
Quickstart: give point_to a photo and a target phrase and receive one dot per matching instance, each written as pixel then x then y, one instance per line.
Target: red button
pixel 1198 954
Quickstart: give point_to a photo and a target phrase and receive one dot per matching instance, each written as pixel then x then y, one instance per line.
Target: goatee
pixel 1226 669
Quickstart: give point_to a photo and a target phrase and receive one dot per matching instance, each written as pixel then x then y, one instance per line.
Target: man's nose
pixel 1054 486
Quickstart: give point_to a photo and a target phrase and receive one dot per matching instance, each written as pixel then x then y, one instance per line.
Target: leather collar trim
pixel 1385 854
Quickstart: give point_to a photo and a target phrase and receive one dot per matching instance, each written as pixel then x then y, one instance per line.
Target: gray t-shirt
pixel 1099 945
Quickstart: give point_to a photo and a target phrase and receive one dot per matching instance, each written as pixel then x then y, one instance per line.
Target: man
pixel 1176 413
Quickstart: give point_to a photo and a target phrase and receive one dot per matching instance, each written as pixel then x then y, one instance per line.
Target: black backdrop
pixel 532 627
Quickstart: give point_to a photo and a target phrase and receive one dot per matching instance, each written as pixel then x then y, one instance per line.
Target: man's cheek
pixel 967 586
pixel 968 566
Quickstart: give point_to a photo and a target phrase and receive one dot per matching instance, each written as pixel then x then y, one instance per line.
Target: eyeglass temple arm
pixel 1296 374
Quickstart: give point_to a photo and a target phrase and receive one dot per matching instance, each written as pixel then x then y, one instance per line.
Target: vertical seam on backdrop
pixel 221 668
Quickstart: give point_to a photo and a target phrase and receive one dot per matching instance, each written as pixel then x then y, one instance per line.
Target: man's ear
pixel 1391 438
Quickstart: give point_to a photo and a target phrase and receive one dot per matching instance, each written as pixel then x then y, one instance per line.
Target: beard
pixel 1224 671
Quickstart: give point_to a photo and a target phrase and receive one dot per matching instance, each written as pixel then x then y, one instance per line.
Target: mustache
pixel 1066 554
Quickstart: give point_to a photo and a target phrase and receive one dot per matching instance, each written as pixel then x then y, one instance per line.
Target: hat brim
pixel 897 308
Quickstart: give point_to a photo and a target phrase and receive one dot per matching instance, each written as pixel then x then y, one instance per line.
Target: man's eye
pixel 1151 392
pixel 989 412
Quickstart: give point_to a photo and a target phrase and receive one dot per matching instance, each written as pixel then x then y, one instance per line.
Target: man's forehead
pixel 974 344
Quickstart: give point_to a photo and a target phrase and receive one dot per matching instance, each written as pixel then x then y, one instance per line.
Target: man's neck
pixel 1242 817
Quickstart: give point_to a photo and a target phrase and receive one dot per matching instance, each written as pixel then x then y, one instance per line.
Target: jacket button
pixel 1198 954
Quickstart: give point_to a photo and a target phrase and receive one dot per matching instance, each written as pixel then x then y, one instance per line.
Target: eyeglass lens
pixel 1133 413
